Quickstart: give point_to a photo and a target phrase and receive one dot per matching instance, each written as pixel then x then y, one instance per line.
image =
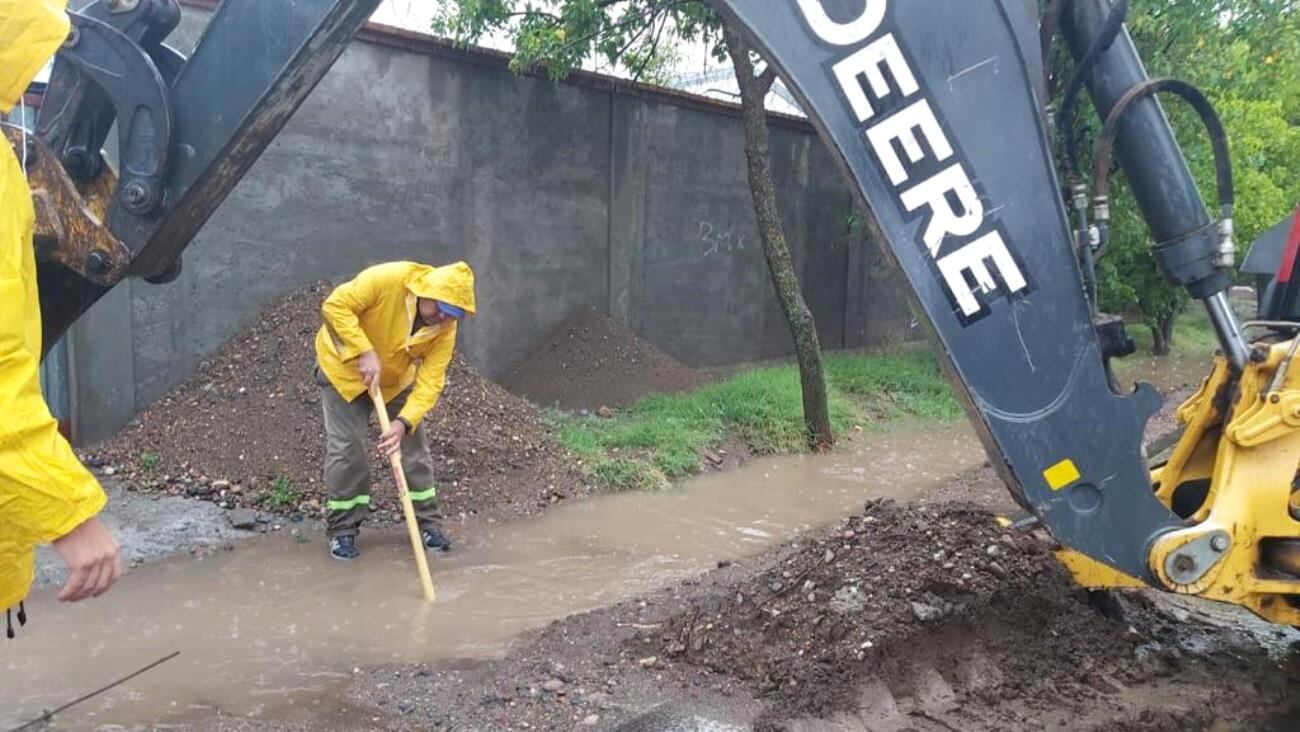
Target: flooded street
pixel 274 628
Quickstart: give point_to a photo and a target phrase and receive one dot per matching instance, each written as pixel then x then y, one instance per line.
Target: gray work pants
pixel 347 464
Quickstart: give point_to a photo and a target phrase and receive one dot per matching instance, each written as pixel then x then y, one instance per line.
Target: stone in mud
pixel 847 599
pixel 599 698
pixel 242 518
pixel 926 613
pixel 591 720
pixel 553 685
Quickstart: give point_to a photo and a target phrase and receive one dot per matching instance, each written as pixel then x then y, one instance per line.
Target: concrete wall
pixel 591 192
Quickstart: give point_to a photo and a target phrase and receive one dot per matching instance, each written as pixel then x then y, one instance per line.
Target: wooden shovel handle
pixel 403 492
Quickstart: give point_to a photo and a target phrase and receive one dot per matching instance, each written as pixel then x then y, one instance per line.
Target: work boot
pixel 435 539
pixel 344 547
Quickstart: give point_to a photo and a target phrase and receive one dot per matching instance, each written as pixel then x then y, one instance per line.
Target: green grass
pixel 149 460
pixel 629 474
pixel 1193 334
pixel 659 439
pixel 894 385
pixel 1189 359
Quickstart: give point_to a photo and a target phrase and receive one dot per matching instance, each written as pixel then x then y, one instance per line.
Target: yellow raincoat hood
pixel 44 491
pixel 452 284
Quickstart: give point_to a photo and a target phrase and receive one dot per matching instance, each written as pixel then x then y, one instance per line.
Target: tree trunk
pixel 1162 335
pixel 753 92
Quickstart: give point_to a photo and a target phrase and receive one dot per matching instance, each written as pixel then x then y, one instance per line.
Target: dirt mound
pixel 247 430
pixel 1013 648
pixel 901 613
pixel 591 361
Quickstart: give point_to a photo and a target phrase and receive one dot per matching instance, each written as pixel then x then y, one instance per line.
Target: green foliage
pixel 149 460
pixel 282 494
pixel 1245 55
pixel 762 408
pixel 558 35
pixel 661 437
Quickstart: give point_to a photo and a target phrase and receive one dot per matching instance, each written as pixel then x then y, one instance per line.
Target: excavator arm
pixel 187 131
pixel 938 114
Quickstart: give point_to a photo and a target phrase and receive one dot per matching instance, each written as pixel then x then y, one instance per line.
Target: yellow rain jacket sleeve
pixel 44 491
pixel 376 311
pixel 430 377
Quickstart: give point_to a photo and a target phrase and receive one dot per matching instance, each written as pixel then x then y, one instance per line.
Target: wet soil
pixel 796 639
pixel 591 361
pixel 922 616
pixel 247 431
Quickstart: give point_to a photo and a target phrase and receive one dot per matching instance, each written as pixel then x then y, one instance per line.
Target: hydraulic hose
pixel 1209 117
pixel 1065 117
pixel 1187 261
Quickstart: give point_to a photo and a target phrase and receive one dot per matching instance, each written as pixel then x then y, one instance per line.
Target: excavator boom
pixel 936 111
pixel 931 108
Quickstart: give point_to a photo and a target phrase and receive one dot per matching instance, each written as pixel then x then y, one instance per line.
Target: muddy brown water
pixel 273 628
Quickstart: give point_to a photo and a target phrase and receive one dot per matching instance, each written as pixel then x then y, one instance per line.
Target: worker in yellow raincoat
pixel 46 495
pixel 394 324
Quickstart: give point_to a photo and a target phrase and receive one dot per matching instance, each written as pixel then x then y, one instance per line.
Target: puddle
pixel 274 628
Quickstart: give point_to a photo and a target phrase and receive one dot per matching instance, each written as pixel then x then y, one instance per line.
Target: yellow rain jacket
pixel 44 491
pixel 377 311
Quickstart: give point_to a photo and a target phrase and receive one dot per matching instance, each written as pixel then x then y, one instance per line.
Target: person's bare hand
pixel 391 441
pixel 94 563
pixel 369 367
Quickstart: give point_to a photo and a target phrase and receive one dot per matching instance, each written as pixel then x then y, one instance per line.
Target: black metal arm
pixel 188 129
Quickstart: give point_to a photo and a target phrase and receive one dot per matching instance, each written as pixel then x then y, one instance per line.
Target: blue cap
pixel 450 310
